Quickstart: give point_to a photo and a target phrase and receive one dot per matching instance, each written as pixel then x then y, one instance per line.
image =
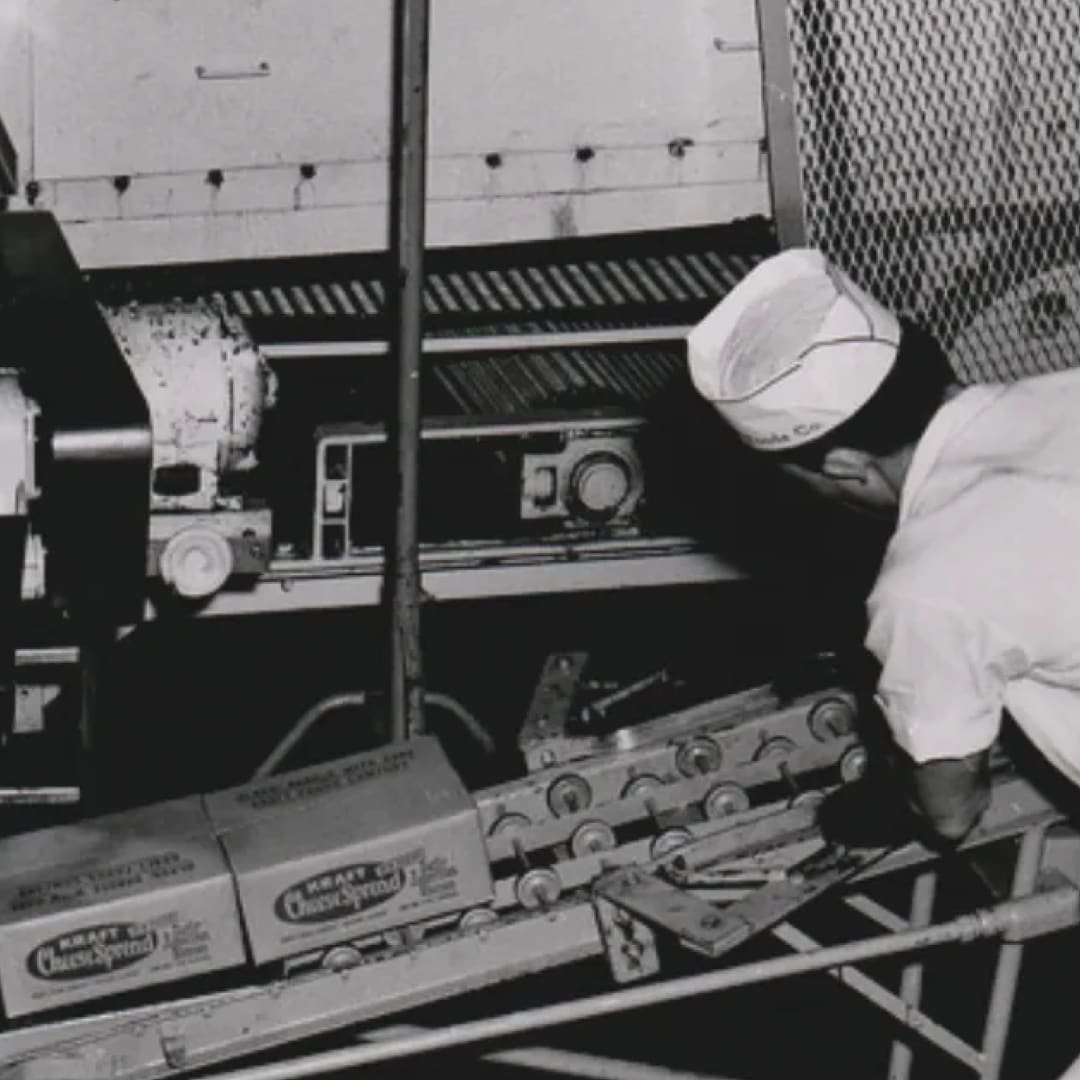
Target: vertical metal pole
pixel 781 129
pixel 407 204
pixel 922 910
pixel 1007 974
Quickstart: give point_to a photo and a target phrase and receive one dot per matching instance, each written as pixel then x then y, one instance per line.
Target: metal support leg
pixel 922 907
pixel 999 1015
pixel 89 673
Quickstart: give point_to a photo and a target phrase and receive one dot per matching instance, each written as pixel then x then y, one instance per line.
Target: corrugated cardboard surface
pixel 360 778
pixel 113 904
pixel 351 848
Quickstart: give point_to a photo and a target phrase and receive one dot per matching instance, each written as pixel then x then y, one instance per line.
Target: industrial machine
pixel 544 364
pixel 198 438
pixel 222 446
pixel 639 824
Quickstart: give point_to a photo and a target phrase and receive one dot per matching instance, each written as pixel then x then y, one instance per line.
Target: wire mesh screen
pixel 939 143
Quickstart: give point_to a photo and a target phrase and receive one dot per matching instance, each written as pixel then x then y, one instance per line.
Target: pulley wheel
pixel 591 837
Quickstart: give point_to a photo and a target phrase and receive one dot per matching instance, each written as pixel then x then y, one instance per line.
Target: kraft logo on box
pixel 335 894
pixel 92 951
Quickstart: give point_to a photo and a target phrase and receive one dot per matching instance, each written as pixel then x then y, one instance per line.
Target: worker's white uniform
pixel 978 602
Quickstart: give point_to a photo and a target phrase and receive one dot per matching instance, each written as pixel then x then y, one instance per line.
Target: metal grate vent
pixel 939 143
pixel 611 285
pixel 667 277
pixel 558 379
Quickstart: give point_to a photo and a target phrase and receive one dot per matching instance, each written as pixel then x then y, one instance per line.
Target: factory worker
pixel 976 607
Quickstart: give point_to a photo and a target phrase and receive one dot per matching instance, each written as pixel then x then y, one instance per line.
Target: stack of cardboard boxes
pixel 292 863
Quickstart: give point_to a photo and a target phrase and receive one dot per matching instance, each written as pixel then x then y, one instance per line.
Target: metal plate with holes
pixel 767 906
pixel 551 708
pixel 645 897
pixel 630 944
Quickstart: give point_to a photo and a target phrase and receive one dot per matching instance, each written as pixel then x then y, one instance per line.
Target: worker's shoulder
pixel 1049 394
pixel 997 548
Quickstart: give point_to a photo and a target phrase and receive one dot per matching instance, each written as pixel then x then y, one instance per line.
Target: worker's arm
pixel 941 689
pixel 950 794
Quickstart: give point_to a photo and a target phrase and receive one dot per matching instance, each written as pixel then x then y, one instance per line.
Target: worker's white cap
pixel 795 349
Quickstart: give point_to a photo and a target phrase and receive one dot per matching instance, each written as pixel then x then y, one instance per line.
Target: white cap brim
pixel 805 370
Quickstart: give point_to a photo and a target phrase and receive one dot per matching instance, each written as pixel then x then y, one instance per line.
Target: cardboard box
pixel 351 848
pixel 113 904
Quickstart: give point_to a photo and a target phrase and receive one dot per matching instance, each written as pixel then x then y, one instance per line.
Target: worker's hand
pixel 950 794
pixel 871 812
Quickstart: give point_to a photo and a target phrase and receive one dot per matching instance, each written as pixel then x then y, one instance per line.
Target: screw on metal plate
pixel 677 147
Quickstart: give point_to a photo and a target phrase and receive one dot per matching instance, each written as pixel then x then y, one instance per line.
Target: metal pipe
pixel 359 699
pixel 561 1062
pixel 308 719
pixel 102 444
pixel 407 205
pixel 47 656
pixel 966 928
pixel 909 1016
pixel 485 343
pixel 911 981
pixel 480 735
pixel 588 1066
pixel 1007 974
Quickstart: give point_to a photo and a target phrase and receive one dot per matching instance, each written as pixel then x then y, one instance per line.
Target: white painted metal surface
pixel 260 128
pixel 17 413
pixel 207 387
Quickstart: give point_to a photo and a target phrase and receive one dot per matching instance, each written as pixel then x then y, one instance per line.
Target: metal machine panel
pixel 191 129
pixel 541 475
pixel 198 84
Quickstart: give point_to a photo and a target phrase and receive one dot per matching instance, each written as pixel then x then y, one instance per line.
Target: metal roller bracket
pixel 550 709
